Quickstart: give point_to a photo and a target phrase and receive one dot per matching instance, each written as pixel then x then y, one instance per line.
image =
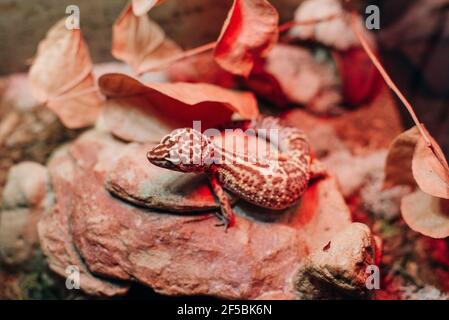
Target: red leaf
pixel 249 32
pixel 141 7
pixel 140 42
pixel 176 104
pixel 61 76
pixel 361 80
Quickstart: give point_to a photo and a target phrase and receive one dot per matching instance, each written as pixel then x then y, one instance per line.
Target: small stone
pixel 54 232
pixel 23 204
pixel 338 269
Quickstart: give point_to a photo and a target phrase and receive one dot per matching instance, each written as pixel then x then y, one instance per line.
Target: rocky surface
pixel 28 131
pixel 175 254
pixel 24 202
pixel 340 267
pixel 133 179
pixel 55 236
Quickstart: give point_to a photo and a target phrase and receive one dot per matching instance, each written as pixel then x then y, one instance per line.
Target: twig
pixel 180 56
pixel 354 22
pixel 74 94
pixel 291 24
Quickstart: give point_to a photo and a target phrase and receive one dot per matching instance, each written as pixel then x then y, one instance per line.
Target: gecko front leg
pixel 226 214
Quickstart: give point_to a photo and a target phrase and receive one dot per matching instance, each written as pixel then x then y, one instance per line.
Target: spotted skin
pixel 273 183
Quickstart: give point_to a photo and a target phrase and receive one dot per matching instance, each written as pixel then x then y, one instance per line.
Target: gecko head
pixel 185 150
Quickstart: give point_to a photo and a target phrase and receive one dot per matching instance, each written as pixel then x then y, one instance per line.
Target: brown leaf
pixel 80 108
pixel 200 68
pixel 249 32
pixel 173 104
pixel 140 42
pixel 360 78
pixel 141 7
pixel 61 75
pixel 398 168
pixel 431 170
pixel 426 214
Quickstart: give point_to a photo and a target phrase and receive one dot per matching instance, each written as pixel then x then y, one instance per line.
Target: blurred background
pixel 413 42
pixel 413 39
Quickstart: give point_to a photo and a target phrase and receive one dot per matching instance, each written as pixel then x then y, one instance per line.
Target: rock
pixel 352 172
pixel 324 140
pixel 427 292
pixel 364 175
pixel 26 187
pixel 23 204
pixel 177 254
pixel 384 204
pixel 28 131
pixel 340 267
pixel 291 74
pixel 135 180
pixel 55 236
pixel 336 32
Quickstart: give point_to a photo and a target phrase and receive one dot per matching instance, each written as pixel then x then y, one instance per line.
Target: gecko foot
pixel 225 215
pixel 225 221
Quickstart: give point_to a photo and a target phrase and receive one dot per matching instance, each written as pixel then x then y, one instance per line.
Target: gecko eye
pixel 165 139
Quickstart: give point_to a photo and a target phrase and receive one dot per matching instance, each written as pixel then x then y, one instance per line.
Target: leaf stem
pixel 211 45
pixel 180 56
pixel 354 22
pixel 369 51
pixel 67 96
pixel 288 25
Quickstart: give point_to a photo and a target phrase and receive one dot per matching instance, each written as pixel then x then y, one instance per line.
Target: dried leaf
pixel 200 68
pixel 249 32
pixel 174 104
pixel 78 110
pixel 426 214
pixel 430 174
pixel 155 60
pixel 398 168
pixel 140 42
pixel 62 77
pixel 141 7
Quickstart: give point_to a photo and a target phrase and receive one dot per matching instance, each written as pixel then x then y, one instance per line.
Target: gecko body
pixel 270 182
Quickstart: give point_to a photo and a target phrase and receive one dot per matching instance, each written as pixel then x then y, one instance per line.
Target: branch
pixel 354 22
